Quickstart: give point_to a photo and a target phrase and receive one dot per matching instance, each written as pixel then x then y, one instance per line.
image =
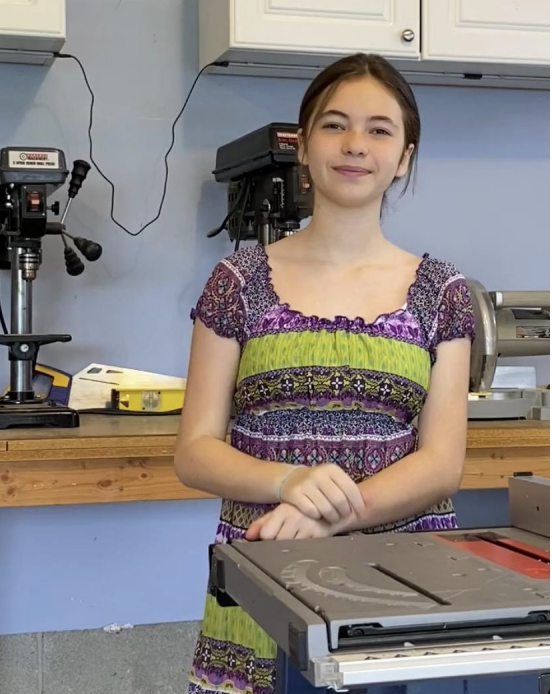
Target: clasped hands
pixel 315 502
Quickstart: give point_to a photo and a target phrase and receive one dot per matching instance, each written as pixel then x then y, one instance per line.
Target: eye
pixel 381 131
pixel 333 126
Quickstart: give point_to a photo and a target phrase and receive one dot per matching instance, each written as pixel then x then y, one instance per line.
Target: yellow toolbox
pixel 147 399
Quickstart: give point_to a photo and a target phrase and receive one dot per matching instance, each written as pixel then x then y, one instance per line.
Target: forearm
pixel 215 467
pixel 406 488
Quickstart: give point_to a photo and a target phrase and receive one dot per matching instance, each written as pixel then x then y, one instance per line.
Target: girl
pixel 346 357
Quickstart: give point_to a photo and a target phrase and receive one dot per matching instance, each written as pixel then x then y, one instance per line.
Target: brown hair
pixel 352 67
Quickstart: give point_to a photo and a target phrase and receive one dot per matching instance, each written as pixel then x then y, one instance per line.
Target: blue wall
pixel 481 201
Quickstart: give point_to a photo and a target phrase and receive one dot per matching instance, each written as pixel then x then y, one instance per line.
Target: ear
pixel 302 148
pixel 405 161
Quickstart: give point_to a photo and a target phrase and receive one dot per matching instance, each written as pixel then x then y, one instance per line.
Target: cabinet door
pixel 496 31
pixel 32 17
pixel 328 26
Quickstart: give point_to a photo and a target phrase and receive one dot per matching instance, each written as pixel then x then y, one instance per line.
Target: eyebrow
pixel 334 112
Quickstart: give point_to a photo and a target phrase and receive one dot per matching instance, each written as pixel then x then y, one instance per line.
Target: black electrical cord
pixel 247 186
pixel 3 321
pixel 223 225
pixel 102 174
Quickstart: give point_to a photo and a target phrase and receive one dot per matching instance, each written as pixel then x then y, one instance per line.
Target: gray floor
pixel 144 660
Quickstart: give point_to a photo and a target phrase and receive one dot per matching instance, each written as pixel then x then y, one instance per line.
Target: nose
pixel 355 144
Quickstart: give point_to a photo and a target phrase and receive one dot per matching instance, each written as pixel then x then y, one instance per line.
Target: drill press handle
pixel 78 175
pixel 89 249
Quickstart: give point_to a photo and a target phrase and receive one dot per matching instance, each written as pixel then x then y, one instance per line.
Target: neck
pixel 344 236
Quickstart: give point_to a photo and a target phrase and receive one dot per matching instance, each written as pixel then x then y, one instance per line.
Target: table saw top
pixel 448 603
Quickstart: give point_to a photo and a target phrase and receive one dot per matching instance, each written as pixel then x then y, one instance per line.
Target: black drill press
pixel 269 192
pixel 28 176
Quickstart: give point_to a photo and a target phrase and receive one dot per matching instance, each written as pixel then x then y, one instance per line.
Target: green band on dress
pixel 336 348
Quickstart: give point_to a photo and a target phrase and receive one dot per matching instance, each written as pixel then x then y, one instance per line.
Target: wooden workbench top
pixel 130 458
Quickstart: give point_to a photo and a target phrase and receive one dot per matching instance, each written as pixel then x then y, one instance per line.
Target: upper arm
pixel 212 373
pixel 443 420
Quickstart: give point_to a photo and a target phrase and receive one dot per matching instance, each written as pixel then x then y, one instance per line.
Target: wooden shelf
pixel 121 458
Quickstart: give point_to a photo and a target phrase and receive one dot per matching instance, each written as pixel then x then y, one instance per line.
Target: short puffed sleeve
pixel 455 315
pixel 220 306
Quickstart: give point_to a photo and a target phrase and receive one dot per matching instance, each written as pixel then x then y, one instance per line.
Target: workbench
pixel 130 458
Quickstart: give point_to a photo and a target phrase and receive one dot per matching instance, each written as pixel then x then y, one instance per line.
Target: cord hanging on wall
pixel 91 154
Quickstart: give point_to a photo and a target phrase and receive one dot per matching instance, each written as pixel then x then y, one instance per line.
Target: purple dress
pixel 313 391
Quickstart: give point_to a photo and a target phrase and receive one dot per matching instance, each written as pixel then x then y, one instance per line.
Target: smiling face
pixel 356 145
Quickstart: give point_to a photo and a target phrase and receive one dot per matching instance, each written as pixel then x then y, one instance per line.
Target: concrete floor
pixel 150 660
pixel 144 660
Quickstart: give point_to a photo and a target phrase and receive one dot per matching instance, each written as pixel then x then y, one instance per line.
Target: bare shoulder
pixel 289 249
pixel 404 260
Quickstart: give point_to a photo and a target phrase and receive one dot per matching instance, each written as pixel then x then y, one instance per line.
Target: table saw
pixel 360 610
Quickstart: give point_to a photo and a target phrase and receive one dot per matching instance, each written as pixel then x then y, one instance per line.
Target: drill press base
pixel 42 414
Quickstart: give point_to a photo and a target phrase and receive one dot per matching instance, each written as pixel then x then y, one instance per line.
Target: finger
pixel 325 508
pixel 304 533
pixel 304 504
pixel 350 489
pixel 308 531
pixel 288 531
pixel 336 497
pixel 271 528
pixel 254 531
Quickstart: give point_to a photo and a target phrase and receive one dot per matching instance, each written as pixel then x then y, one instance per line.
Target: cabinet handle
pixel 408 35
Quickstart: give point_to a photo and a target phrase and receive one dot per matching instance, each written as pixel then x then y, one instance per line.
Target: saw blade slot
pixel 409 584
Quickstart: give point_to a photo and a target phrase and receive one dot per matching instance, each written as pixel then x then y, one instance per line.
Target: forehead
pixel 364 97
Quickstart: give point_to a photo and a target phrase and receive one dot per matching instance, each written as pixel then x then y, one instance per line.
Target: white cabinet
pixel 31 25
pixel 312 25
pixel 495 31
pixel 457 42
pixel 280 30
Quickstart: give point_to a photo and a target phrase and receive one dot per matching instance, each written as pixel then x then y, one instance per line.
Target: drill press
pixel 269 192
pixel 28 176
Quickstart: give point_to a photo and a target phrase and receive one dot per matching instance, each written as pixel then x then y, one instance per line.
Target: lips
pixel 352 171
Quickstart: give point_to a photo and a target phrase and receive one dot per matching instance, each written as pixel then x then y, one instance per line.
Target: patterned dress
pixel 311 391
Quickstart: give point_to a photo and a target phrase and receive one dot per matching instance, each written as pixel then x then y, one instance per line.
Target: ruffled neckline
pixel 357 323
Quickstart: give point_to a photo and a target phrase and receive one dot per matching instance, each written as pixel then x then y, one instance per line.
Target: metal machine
pixel 269 193
pixel 362 610
pixel 28 176
pixel 508 324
